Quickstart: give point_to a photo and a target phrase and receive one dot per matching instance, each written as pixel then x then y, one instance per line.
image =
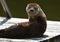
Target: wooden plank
pixel 52 31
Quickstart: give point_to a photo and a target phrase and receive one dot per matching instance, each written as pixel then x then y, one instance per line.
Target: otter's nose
pixel 32 10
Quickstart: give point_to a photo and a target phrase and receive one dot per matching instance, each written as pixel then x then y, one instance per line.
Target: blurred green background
pixel 17 8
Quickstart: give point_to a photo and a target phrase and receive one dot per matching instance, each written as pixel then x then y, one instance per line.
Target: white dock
pixel 52 32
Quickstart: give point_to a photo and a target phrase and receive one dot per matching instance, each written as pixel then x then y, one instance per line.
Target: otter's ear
pixel 38 5
pixel 27 6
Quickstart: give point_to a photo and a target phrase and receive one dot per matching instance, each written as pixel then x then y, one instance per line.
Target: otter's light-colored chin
pixel 31 16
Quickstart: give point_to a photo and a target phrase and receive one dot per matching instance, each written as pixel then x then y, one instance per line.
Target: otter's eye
pixel 29 7
pixel 35 8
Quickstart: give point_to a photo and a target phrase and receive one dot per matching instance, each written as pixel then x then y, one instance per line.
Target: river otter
pixel 35 27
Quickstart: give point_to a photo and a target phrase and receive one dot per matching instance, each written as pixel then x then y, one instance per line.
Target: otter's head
pixel 33 9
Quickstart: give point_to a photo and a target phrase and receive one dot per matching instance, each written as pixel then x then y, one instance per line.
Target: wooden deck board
pixel 53 30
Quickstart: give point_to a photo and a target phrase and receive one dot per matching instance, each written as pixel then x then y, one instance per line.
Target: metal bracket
pixel 6 10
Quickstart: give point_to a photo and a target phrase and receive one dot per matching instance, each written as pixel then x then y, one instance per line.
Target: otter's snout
pixel 32 9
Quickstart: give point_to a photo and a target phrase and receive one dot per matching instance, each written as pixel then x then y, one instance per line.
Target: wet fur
pixel 34 28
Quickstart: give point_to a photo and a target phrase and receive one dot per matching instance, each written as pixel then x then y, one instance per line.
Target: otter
pixel 35 27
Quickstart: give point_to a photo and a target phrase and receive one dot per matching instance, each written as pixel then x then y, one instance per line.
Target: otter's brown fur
pixel 34 28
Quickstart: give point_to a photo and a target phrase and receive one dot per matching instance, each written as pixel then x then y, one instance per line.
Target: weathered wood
pixel 52 32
